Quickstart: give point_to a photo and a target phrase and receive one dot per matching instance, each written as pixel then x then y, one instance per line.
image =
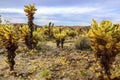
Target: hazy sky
pixel 62 12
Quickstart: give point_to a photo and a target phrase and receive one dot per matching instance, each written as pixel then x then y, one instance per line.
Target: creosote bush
pixel 105 42
pixel 83 43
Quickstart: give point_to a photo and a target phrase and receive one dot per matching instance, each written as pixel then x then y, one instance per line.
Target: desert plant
pixel 30 11
pixel 83 43
pixel 105 42
pixel 71 33
pixel 38 35
pixel 9 37
pixel 59 36
pixel 25 34
pixel 49 29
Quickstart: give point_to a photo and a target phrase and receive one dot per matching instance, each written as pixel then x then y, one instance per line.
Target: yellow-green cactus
pixel 59 36
pixel 9 37
pixel 25 34
pixel 105 42
pixel 30 11
pixel 37 35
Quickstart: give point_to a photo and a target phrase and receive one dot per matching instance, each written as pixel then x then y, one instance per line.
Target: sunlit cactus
pixel 105 42
pixel 59 36
pixel 25 36
pixel 30 11
pixel 48 29
pixel 56 30
pixel 9 37
pixel 37 35
pixel 71 33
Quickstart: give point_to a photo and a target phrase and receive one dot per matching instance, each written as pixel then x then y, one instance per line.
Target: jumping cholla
pixel 105 42
pixel 9 37
pixel 30 11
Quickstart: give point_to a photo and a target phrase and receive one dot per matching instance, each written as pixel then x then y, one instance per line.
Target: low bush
pixel 83 43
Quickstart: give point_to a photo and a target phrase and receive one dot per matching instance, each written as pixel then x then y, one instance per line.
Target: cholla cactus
pixel 30 11
pixel 37 35
pixel 9 37
pixel 59 36
pixel 72 33
pixel 105 42
pixel 25 34
pixel 49 29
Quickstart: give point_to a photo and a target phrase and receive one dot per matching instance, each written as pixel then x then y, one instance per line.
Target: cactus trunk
pixel 58 43
pixel 30 24
pixel 105 63
pixel 49 29
pixel 62 42
pixel 11 55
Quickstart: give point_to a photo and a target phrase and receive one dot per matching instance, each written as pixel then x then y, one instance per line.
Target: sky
pixel 62 12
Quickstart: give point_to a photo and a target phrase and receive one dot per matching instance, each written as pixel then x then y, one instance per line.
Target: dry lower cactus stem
pixel 105 64
pixel 62 42
pixel 10 57
pixel 58 42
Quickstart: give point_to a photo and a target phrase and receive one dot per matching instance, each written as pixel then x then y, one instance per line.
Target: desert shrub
pixel 83 43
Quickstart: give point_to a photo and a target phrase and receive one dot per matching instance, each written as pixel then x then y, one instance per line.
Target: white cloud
pixel 11 10
pixel 18 20
pixel 64 10
pixel 67 15
pixel 52 10
pixel 45 21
